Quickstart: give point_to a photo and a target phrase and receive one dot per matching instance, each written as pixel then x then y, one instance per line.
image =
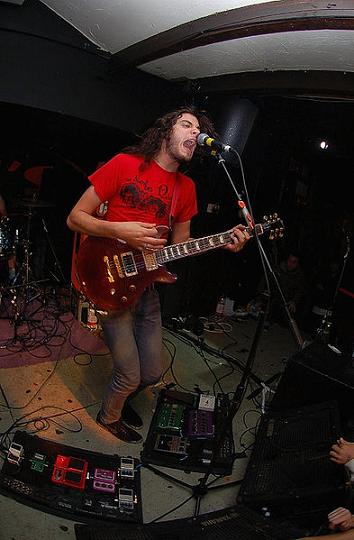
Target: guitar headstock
pixel 273 225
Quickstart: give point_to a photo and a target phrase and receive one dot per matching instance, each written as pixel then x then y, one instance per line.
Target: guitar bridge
pixel 128 264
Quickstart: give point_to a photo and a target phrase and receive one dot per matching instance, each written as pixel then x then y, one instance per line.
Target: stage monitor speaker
pixel 235 523
pixel 315 374
pixel 289 472
pixel 236 122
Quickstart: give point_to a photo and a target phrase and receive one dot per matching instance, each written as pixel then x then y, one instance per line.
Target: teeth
pixel 189 143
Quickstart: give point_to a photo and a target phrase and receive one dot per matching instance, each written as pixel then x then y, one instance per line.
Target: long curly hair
pixel 150 142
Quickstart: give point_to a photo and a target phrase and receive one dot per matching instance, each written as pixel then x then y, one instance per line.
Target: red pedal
pixel 70 472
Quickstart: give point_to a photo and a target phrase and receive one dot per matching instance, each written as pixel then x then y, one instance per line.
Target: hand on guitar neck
pixel 240 236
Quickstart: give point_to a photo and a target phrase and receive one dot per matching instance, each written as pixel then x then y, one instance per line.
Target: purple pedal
pixel 104 480
pixel 200 424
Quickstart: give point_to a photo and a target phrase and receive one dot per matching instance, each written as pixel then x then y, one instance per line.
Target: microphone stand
pixel 324 330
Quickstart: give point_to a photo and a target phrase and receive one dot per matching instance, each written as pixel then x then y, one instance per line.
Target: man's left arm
pixel 181 232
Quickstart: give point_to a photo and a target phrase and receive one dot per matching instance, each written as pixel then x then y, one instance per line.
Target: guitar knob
pixel 112 292
pixel 124 299
pixel 132 288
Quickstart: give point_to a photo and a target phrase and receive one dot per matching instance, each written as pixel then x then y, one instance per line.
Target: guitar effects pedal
pixel 70 472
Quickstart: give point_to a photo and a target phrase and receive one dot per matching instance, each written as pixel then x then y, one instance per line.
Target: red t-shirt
pixel 137 191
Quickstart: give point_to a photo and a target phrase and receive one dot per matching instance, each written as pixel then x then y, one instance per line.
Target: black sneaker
pixel 121 431
pixel 131 418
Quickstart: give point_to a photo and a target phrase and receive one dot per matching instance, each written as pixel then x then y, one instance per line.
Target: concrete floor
pixel 77 384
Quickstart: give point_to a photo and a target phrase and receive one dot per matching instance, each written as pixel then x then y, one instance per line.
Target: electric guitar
pixel 113 276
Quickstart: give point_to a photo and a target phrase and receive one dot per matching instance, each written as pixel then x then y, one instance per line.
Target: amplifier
pixel 289 471
pixel 235 523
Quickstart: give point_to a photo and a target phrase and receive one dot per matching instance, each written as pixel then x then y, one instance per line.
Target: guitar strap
pixel 175 195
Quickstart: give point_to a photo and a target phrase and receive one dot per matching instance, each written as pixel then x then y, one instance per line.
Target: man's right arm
pixel 137 234
pixel 81 218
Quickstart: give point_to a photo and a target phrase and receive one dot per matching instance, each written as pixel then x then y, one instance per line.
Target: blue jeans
pixel 134 339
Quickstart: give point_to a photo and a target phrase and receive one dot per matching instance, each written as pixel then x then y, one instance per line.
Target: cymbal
pixel 32 203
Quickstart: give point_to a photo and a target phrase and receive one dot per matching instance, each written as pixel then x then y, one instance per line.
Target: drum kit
pixel 16 246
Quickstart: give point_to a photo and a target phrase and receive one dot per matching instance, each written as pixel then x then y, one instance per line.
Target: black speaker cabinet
pixel 235 523
pixel 315 374
pixel 289 472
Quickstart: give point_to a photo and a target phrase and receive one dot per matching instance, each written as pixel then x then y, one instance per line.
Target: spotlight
pixel 324 145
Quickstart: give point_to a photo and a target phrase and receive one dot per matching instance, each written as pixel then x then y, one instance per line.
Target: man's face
pixel 183 138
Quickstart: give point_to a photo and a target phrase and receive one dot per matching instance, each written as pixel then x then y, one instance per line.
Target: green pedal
pixel 38 462
pixel 170 418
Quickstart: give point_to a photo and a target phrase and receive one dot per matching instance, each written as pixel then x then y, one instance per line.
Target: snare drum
pixel 7 238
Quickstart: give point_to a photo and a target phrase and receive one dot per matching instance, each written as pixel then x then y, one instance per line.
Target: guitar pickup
pixel 128 264
pixel 150 260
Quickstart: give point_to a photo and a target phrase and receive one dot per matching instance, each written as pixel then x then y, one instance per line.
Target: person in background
pixel 295 289
pixel 342 453
pixel 340 525
pixel 140 185
pixel 340 520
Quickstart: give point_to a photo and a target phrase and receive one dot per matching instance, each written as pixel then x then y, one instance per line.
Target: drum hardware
pixel 9 238
pixel 25 288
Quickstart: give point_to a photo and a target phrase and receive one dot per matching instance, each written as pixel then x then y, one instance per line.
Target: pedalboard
pixel 184 431
pixel 70 481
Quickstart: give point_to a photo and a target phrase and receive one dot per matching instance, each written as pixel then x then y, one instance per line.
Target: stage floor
pixel 73 379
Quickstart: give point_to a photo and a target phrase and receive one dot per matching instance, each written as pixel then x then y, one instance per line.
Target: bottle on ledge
pixel 220 308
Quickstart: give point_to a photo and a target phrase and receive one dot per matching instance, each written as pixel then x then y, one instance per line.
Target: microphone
pixel 205 140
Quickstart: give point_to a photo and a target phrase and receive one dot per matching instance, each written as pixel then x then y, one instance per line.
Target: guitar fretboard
pixel 194 247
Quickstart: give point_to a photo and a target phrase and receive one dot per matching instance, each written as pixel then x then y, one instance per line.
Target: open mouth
pixel 190 144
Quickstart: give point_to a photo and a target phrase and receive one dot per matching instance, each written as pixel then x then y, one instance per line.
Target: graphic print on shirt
pixel 139 194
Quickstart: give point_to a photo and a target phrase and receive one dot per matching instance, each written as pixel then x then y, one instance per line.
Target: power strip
pixel 206 403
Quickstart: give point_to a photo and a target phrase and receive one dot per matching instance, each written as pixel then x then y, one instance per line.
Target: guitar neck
pixel 199 246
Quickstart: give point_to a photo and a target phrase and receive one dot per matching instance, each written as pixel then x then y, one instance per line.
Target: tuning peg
pixel 265 218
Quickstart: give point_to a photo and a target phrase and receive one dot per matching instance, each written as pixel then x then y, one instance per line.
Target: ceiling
pixel 193 39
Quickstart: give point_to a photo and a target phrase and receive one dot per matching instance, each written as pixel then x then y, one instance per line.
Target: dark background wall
pixel 45 63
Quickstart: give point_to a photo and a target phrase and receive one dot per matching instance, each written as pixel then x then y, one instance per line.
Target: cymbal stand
pixel 56 260
pixel 24 281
